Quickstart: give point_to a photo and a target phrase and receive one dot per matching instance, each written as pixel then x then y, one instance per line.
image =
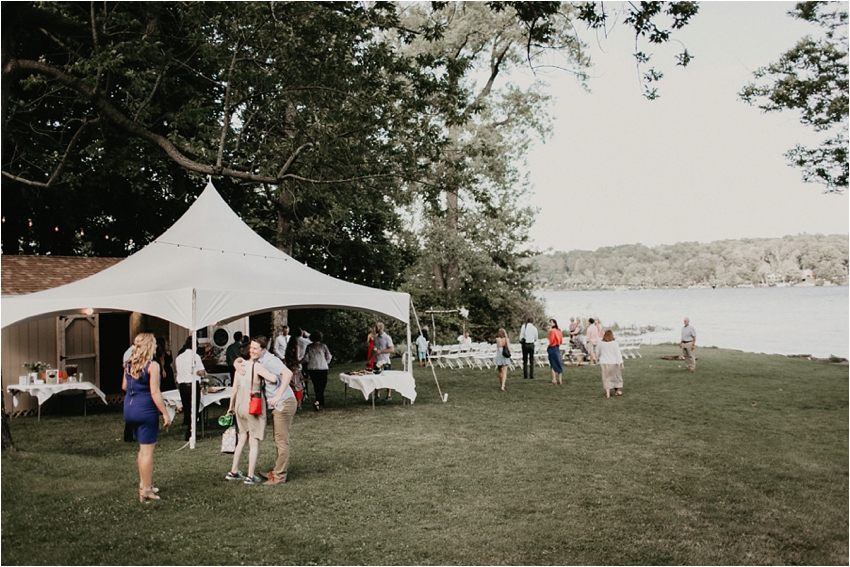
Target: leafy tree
pixel 812 78
pixel 294 103
pixel 472 225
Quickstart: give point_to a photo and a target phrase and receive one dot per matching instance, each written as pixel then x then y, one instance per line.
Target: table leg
pixel 345 399
pixel 373 399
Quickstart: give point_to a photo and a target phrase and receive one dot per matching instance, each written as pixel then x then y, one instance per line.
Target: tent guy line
pixel 202 249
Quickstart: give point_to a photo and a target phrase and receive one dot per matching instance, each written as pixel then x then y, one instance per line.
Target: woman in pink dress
pixel 370 349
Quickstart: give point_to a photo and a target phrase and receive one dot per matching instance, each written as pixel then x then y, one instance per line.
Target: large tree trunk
pixel 452 274
pixel 449 278
pixel 280 317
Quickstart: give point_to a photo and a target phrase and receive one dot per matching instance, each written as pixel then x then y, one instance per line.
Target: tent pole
pixel 409 365
pixel 428 358
pixel 194 374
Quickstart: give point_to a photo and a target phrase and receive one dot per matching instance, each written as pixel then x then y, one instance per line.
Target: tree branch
pixel 109 112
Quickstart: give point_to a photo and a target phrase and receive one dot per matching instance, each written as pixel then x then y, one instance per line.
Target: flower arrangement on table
pixel 36 367
pixel 379 366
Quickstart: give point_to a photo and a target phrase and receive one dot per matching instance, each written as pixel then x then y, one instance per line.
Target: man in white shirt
pixel 185 379
pixel 688 344
pixel 528 338
pixel 280 343
pixel 465 340
pixel 304 341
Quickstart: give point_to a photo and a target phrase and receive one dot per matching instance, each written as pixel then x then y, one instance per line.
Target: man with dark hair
pixel 232 353
pixel 280 343
pixel 281 400
pixel 186 378
pixel 528 338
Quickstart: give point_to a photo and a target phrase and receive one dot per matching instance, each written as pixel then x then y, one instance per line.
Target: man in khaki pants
pixel 282 401
pixel 688 344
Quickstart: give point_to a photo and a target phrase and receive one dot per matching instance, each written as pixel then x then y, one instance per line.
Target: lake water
pixel 775 320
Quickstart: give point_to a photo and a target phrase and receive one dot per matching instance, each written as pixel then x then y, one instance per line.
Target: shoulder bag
pixel 506 352
pixel 255 406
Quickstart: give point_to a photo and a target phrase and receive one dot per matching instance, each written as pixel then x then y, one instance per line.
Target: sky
pixel 696 164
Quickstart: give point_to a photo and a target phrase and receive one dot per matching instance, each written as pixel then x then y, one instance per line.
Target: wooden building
pixel 94 343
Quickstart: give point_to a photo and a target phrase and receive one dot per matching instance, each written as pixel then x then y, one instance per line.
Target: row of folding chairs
pixel 476 355
pixel 630 347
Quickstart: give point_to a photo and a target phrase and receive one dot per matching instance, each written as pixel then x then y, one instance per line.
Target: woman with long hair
pixel 501 361
pixel 554 350
pixel 611 363
pixel 142 405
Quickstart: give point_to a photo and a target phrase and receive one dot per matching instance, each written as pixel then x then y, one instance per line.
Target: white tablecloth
pixel 172 400
pixel 44 391
pixel 402 382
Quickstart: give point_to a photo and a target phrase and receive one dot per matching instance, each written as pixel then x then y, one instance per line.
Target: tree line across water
pixel 804 259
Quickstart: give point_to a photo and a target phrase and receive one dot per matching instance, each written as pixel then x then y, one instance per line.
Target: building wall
pixel 27 342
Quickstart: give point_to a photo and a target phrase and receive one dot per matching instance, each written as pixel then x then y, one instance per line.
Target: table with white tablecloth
pixel 44 391
pixel 172 399
pixel 397 380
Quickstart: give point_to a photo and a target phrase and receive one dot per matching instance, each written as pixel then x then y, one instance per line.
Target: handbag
pixel 255 406
pixel 506 352
pixel 228 440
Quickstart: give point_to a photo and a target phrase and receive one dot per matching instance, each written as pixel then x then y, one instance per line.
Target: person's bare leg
pixel 145 461
pixel 253 453
pixel 237 453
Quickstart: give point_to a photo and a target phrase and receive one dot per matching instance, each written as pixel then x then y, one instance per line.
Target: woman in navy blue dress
pixel 142 405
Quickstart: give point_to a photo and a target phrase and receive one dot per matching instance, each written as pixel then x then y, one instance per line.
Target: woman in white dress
pixel 611 362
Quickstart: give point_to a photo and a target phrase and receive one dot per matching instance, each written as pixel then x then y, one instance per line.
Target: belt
pixel 690 341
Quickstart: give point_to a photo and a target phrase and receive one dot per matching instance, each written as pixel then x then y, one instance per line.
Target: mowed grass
pixel 743 462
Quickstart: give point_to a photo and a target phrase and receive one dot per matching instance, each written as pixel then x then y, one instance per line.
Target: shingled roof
pixel 20 275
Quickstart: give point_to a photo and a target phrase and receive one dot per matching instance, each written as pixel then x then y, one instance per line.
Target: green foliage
pixel 811 78
pixel 762 261
pixel 745 462
pixel 302 98
pixel 376 142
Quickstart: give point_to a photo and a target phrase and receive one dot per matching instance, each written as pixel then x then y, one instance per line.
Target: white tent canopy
pixel 209 267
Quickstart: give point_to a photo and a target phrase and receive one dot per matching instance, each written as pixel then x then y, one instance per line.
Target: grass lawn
pixel 743 462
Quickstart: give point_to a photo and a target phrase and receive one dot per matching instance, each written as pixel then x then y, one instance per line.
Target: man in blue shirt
pixel 281 400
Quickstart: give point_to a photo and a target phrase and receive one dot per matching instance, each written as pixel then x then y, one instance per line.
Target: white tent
pixel 209 267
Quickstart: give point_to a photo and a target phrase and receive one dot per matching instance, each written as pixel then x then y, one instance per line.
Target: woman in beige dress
pixel 611 363
pixel 248 380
